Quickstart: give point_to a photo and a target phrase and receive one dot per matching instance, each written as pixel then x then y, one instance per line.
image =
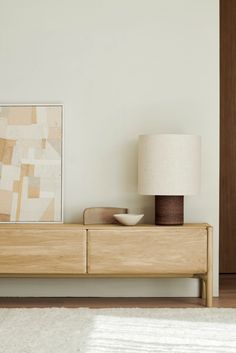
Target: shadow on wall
pixel 124 179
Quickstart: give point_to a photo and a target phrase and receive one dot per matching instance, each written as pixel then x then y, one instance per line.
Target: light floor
pixel 227 299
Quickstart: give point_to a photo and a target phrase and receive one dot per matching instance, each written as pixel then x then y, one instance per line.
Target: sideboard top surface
pixel 95 226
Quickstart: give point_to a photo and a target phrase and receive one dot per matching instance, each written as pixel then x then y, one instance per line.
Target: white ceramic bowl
pixel 128 219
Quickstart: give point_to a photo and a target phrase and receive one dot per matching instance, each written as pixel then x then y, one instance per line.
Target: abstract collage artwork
pixel 31 163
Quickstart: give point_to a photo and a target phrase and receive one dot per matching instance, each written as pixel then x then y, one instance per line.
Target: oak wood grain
pixel 161 251
pixel 42 251
pixel 77 226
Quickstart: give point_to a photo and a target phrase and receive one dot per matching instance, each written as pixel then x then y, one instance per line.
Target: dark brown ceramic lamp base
pixel 169 210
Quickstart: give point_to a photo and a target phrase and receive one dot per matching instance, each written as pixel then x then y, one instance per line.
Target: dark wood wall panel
pixel 228 136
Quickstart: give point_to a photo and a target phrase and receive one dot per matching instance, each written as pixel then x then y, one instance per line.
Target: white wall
pixel 121 68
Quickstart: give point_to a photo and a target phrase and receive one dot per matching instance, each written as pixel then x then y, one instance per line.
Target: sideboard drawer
pixel 156 251
pixel 42 251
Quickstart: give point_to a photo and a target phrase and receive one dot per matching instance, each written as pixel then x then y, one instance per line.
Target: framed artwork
pixel 31 148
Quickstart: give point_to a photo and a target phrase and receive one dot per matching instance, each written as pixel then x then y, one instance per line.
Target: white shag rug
pixel 117 330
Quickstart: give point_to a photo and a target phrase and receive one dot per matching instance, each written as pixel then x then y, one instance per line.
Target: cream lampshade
pixel 169 167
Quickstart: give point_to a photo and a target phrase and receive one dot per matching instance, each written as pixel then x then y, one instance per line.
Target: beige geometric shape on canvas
pixel 49 213
pixel 5 217
pixel 34 116
pixel 50 153
pixel 56 144
pixel 27 170
pixel 3 111
pixel 14 207
pixel 21 116
pixel 16 186
pixel 11 172
pixel 5 202
pixel 49 184
pixel 51 171
pixel 3 127
pixel 6 184
pixel 33 192
pixel 2 147
pixel 33 188
pixel 30 143
pixel 32 209
pixel 43 143
pixel 25 132
pixel 41 113
pixel 6 150
pixel 54 133
pixel 54 116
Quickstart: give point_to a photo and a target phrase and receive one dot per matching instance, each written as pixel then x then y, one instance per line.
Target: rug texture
pixel 117 330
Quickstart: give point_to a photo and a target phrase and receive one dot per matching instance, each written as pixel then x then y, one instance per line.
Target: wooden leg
pixel 209 291
pixel 203 288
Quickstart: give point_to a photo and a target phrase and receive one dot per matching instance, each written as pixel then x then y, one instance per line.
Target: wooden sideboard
pixel 31 250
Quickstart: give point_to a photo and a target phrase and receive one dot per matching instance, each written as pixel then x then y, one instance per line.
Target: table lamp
pixel 169 168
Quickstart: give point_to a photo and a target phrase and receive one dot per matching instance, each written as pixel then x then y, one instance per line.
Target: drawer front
pixel 35 251
pixel 164 251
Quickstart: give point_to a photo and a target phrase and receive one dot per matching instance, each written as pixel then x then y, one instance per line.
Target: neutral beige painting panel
pixel 14 206
pixel 54 133
pixel 20 116
pixel 53 116
pixel 31 163
pixel 25 132
pixel 3 127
